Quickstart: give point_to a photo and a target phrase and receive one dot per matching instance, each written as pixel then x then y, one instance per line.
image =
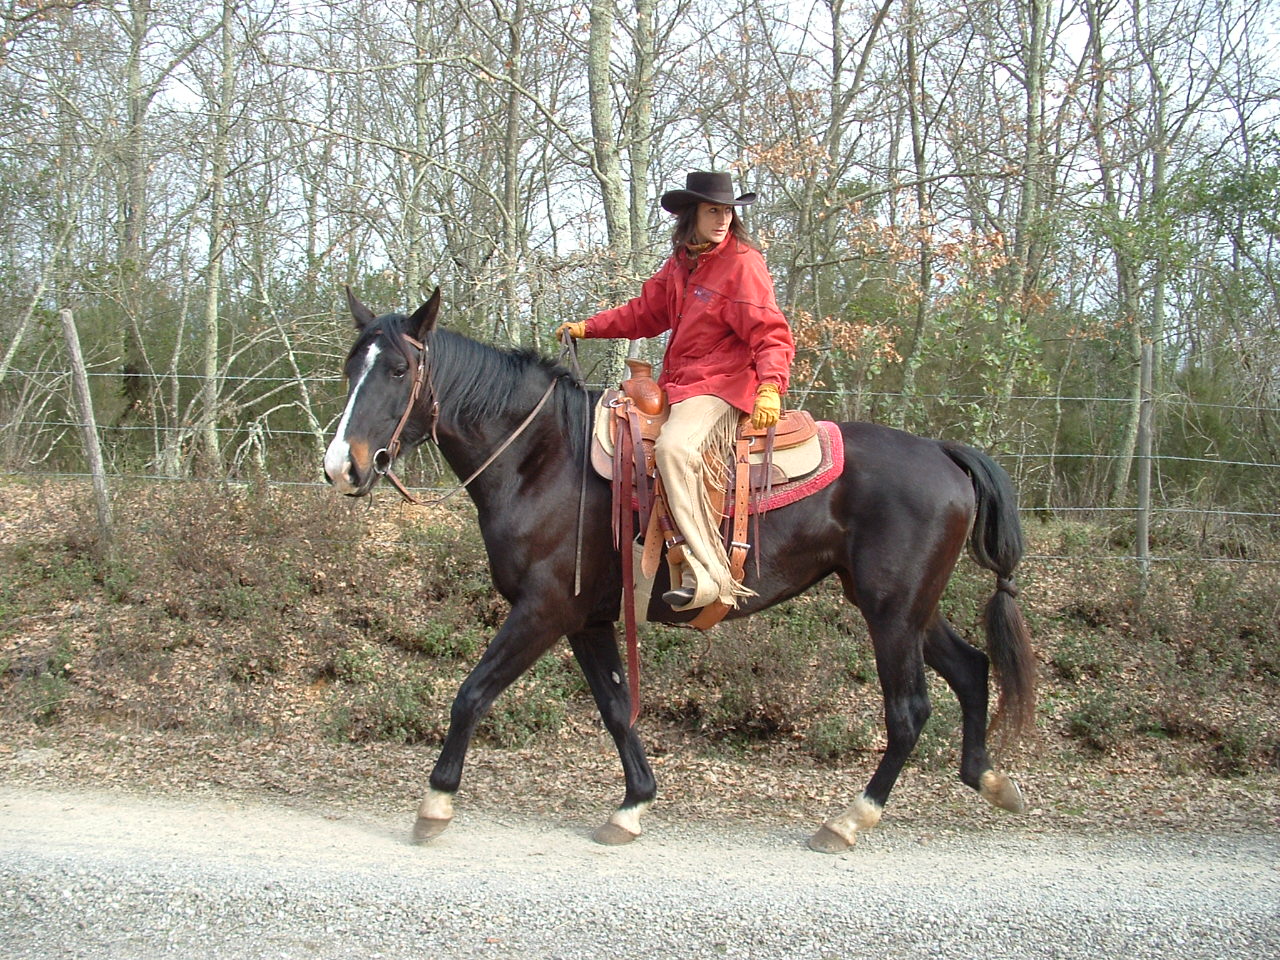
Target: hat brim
pixel 674 201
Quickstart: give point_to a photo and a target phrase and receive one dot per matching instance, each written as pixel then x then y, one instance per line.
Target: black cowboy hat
pixel 704 187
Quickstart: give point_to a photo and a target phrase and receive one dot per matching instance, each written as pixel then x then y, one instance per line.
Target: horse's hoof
pixel 827 840
pixel 1001 791
pixel 427 828
pixel 612 835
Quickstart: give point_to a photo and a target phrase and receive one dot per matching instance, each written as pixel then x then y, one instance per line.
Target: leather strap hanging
pixel 629 472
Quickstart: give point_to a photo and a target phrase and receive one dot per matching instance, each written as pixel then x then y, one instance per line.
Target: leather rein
pixel 384 458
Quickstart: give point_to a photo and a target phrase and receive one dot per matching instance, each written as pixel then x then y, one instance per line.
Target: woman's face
pixel 713 221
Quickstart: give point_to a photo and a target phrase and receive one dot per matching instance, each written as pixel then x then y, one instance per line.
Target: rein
pixel 383 459
pixel 570 350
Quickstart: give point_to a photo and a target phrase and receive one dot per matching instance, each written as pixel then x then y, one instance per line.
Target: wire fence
pixel 1231 532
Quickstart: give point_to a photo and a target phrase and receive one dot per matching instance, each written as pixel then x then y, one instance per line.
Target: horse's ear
pixel 424 318
pixel 362 315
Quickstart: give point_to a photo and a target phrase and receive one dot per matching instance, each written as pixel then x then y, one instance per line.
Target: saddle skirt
pixel 807 454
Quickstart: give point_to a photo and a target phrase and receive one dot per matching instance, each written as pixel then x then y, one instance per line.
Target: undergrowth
pixel 217 602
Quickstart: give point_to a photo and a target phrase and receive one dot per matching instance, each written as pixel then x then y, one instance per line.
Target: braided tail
pixel 996 544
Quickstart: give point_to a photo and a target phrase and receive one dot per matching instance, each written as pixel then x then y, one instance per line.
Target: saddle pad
pixel 830 466
pixel 815 465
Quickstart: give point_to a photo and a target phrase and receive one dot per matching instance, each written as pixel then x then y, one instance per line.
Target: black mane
pixel 477 382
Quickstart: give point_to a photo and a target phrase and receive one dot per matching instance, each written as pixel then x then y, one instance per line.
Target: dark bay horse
pixel 891 528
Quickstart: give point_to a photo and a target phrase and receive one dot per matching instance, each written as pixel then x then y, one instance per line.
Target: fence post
pixel 89 431
pixel 1145 411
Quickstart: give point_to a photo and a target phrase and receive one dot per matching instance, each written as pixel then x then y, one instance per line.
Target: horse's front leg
pixel 596 648
pixel 524 636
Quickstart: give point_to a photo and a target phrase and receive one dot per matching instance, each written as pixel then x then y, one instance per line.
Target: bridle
pixel 385 457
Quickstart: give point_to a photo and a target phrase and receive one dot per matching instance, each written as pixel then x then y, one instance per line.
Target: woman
pixel 729 353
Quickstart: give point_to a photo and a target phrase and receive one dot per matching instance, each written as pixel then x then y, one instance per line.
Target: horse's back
pixel 884 461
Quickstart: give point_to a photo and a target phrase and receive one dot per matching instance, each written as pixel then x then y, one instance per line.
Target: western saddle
pixel 628 422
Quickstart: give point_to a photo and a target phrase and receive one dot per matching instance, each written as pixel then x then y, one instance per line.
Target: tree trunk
pixel 512 141
pixel 640 132
pixel 924 277
pixel 413 272
pixel 218 240
pixel 132 259
pixel 607 165
pixel 89 433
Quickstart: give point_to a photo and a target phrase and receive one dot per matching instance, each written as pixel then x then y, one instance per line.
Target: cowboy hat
pixel 701 186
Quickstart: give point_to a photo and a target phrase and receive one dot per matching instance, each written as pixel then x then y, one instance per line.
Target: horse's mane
pixel 480 382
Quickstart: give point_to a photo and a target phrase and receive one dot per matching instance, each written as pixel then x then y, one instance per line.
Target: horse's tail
pixel 996 543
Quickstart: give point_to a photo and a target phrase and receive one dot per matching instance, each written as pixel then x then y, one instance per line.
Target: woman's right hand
pixel 574 328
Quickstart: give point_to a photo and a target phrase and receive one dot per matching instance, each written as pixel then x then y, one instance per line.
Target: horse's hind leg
pixel 596 648
pixel 522 639
pixel 965 669
pixel 906 708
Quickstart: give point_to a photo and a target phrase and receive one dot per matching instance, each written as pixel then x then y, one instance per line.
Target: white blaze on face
pixel 339 452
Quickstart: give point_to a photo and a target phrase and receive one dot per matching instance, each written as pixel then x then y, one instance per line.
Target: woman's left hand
pixel 768 407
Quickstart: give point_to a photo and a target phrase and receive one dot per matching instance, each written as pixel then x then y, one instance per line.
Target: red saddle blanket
pixel 830 465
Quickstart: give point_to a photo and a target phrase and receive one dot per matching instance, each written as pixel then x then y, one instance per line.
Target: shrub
pixel 1081 653
pixel 939 745
pixel 535 704
pixel 39 681
pixel 357 664
pixel 1235 748
pixel 399 711
pixel 1101 720
pixel 835 738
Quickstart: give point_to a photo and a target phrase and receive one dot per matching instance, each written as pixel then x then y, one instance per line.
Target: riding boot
pixel 694 591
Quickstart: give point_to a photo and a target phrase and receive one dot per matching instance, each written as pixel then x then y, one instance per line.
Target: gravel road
pixel 101 875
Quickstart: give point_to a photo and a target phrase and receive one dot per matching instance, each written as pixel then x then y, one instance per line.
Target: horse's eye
pixel 399 372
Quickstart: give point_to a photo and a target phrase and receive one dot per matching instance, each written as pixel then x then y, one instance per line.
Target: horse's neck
pixel 467 441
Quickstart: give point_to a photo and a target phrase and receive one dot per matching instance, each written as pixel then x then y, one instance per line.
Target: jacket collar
pixel 690 261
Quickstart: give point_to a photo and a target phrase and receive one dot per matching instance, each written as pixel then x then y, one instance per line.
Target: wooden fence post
pixel 89 431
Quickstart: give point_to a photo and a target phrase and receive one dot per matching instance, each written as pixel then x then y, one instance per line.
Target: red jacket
pixel 727 334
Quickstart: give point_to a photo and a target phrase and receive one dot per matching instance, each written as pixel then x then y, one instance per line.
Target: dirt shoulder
pixel 577 780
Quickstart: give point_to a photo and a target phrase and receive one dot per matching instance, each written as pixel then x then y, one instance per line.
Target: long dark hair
pixel 685 230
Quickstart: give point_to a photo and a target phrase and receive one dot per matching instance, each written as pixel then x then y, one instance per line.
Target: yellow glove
pixel 574 328
pixel 768 407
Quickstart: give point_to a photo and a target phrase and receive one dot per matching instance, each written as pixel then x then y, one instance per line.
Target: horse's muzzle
pixel 346 477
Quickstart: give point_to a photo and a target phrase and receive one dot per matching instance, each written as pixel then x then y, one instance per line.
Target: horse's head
pixel 385 373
